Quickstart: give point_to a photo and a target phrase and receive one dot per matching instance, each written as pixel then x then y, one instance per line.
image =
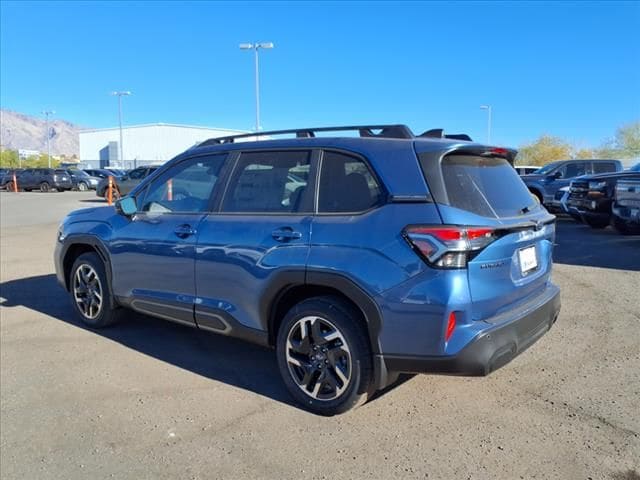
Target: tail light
pixel 448 246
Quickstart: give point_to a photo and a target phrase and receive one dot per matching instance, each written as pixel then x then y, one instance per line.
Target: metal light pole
pixel 255 47
pixel 46 113
pixel 488 109
pixel 120 95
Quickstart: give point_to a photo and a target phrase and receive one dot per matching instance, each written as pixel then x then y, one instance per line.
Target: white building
pixel 142 144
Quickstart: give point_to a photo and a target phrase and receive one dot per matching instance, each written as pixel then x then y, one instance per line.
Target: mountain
pixel 24 131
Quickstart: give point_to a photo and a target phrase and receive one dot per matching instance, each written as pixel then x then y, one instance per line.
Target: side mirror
pixel 127 206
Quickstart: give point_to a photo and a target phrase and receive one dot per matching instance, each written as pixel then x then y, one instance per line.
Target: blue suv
pixel 356 257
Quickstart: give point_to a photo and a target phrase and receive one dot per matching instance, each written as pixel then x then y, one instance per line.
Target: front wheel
pixel 324 356
pixel 45 187
pixel 83 187
pixel 90 292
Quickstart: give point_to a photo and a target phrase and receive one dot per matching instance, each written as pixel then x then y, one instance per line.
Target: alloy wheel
pixel 87 291
pixel 318 358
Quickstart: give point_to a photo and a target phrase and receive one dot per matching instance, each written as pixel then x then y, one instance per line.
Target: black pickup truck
pixel 626 206
pixel 591 196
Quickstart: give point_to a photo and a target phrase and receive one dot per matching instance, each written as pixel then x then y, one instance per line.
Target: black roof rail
pixel 379 131
pixel 439 133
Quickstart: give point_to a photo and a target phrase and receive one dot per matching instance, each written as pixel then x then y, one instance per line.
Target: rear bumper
pixel 492 348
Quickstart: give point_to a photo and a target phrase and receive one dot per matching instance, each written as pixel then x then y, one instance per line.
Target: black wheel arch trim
pixel 286 280
pixel 92 241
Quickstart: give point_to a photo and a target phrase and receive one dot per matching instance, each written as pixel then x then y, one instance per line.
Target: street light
pixel 46 113
pixel 255 47
pixel 120 95
pixel 488 109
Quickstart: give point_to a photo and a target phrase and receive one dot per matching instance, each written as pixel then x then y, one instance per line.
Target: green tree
pixel 544 150
pixel 625 143
pixel 9 159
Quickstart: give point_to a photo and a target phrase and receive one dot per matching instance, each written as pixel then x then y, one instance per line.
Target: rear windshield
pixel 485 186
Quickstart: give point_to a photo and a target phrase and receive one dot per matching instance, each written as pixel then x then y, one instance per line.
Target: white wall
pixel 147 142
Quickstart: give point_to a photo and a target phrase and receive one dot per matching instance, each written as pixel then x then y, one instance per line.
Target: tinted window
pixel 61 172
pixel 604 167
pixel 269 182
pixel 485 186
pixel 346 184
pixel 187 187
pixel 574 169
pixel 137 174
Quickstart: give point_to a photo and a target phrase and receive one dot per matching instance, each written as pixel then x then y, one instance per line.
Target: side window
pixel 186 187
pixel 603 167
pixel 575 169
pixel 137 174
pixel 270 182
pixel 346 185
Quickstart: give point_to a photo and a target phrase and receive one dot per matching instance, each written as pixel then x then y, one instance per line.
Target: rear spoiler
pixel 439 133
pixel 509 154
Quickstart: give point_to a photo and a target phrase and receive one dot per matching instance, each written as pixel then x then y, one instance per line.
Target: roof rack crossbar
pixel 382 131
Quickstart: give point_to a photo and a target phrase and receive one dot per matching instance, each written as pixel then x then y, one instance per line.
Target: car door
pixel 25 178
pixel 153 253
pixel 256 242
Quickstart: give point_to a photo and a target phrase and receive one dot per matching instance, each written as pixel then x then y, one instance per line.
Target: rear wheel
pixel 91 293
pixel 596 223
pixel 45 187
pixel 324 356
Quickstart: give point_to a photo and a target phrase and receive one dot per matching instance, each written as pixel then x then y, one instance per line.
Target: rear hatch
pixel 509 262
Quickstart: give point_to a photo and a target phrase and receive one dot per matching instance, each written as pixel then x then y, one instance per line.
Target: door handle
pixel 285 234
pixel 184 231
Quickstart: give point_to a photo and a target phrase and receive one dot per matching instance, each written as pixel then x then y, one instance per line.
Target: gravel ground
pixel 152 399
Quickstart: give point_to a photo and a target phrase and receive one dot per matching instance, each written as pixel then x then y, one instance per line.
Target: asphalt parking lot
pixel 152 399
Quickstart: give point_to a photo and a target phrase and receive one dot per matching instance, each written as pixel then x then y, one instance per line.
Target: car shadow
pixel 224 359
pixel 579 244
pixel 94 200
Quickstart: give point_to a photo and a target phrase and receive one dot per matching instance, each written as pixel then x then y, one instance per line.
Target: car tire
pixel 83 187
pixel 45 187
pixel 596 223
pixel 624 228
pixel 330 370
pixel 90 292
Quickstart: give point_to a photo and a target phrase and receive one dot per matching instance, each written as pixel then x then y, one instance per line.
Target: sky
pixel 570 69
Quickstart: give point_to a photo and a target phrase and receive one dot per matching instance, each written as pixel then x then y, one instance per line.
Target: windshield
pixel 547 168
pixel 635 168
pixel 79 173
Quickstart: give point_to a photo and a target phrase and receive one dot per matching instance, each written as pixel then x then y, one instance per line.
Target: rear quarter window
pixel 485 186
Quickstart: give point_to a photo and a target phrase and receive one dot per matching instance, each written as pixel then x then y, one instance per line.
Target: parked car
pixel 591 196
pixel 552 177
pixel 437 261
pixel 102 173
pixel 123 185
pixel 526 169
pixel 6 176
pixel 45 179
pixel 82 180
pixel 626 206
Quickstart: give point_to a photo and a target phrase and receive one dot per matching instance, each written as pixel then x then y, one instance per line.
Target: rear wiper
pixel 524 210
